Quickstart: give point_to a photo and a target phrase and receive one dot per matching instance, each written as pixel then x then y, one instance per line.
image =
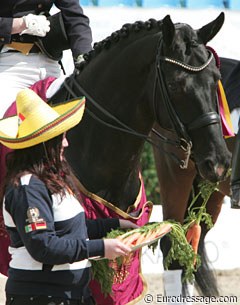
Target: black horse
pixel 146 72
pixel 153 71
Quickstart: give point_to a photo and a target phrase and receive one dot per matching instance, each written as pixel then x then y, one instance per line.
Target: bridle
pixel 184 141
pixel 182 130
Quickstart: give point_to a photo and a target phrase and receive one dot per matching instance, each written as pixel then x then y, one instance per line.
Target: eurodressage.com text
pixel 160 299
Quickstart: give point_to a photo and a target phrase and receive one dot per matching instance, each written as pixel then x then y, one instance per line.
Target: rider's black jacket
pixel 76 23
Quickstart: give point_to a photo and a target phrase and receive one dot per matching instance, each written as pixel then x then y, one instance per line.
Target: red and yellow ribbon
pixel 227 126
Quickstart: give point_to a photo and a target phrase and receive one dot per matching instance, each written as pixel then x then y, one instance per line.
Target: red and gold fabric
pixel 129 284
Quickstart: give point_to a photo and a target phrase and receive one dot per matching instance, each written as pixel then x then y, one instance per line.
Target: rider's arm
pixel 77 26
pixel 18 25
pixel 6 25
pixel 9 26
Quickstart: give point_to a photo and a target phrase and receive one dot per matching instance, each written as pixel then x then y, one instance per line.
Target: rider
pixel 231 84
pixel 26 35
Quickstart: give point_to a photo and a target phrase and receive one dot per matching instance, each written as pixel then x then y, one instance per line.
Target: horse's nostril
pixel 220 171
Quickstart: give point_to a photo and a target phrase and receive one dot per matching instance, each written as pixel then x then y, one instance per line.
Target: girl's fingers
pixel 124 248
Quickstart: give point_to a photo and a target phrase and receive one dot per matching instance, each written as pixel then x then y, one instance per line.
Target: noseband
pixel 182 130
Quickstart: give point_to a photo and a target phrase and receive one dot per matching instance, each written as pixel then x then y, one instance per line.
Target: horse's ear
pixel 168 31
pixel 207 32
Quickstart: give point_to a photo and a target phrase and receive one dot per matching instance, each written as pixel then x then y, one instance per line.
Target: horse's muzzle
pixel 212 171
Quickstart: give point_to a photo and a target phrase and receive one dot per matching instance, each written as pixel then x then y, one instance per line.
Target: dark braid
pixel 118 35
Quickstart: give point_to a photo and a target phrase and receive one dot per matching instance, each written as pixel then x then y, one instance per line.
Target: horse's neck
pixel 105 160
pixel 105 163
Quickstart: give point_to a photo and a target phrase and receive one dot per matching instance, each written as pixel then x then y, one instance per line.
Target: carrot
pixel 126 235
pixel 163 229
pixel 193 236
pixel 131 239
pixel 153 233
pixel 149 235
pixel 120 237
pixel 145 237
pixel 189 234
pixel 140 239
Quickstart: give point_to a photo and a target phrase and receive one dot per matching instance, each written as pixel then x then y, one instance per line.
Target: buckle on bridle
pixel 186 147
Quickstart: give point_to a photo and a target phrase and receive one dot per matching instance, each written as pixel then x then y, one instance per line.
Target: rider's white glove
pixel 79 59
pixel 36 25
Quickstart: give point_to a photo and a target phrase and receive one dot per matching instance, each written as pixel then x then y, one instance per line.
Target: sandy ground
pixel 229 283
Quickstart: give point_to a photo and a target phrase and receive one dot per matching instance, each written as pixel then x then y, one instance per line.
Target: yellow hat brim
pixel 70 114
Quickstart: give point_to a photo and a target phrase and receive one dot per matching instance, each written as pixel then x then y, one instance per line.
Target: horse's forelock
pixel 187 35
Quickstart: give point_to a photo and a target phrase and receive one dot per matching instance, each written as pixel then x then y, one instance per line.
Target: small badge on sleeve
pixel 35 223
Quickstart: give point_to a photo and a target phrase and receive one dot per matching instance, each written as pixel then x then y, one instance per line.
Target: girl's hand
pixel 127 224
pixel 114 248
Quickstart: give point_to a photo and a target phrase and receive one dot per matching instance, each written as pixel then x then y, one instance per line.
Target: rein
pixel 121 126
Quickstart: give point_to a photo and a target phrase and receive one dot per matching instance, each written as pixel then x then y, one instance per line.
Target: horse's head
pixel 188 76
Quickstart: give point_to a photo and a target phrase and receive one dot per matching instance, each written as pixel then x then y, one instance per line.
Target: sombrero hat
pixel 38 122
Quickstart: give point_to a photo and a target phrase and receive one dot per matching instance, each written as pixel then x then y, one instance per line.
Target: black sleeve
pixel 98 228
pixel 77 26
pixel 5 30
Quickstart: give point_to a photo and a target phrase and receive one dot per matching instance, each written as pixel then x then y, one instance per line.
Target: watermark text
pixel 161 299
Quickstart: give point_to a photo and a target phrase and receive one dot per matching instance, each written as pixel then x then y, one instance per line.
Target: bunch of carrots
pixel 184 240
pixel 145 234
pixel 102 270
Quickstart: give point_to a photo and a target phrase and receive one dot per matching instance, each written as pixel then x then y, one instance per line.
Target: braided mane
pixel 117 36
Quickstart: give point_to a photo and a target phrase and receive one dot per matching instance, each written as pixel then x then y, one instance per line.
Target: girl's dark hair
pixel 43 161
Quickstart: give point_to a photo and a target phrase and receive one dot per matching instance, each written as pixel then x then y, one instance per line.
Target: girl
pixel 51 241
